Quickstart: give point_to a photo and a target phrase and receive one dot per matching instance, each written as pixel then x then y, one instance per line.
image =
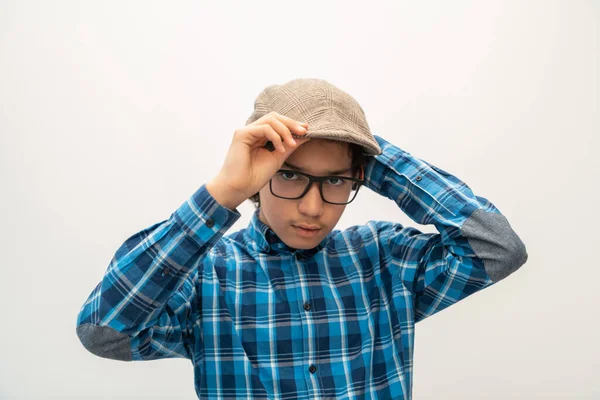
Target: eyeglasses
pixel 291 185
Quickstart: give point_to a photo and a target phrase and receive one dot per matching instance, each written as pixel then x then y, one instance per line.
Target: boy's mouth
pixel 308 227
pixel 306 230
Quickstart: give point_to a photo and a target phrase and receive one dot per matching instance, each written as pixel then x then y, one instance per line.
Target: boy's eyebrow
pixel 329 172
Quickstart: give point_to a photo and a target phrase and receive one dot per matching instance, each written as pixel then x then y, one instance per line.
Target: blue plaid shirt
pixel 259 319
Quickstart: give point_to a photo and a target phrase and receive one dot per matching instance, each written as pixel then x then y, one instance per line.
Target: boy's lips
pixel 308 227
pixel 300 230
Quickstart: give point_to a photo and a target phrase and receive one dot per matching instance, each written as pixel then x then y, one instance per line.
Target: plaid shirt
pixel 259 319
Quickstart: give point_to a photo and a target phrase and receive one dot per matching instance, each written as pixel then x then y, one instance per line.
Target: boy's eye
pixel 337 181
pixel 286 175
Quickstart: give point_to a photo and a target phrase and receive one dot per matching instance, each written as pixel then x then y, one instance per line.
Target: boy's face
pixel 316 157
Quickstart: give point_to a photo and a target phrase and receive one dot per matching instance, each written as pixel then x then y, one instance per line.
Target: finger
pixel 274 137
pixel 257 135
pixel 282 130
pixel 294 126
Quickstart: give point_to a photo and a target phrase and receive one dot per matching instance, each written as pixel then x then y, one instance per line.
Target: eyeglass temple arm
pixel 361 177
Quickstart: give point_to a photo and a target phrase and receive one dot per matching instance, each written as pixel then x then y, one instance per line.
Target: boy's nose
pixel 311 203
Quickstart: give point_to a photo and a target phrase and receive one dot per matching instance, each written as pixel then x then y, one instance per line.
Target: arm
pixel 144 306
pixel 475 246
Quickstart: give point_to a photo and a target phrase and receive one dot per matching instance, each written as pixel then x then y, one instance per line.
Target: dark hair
pixel 359 160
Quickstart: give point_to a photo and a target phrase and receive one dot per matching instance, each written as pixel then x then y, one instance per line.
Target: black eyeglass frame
pixel 319 179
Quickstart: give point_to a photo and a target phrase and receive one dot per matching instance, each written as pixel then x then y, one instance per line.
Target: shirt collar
pixel 267 241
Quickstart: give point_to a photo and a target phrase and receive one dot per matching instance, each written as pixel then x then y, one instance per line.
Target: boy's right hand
pixel 249 166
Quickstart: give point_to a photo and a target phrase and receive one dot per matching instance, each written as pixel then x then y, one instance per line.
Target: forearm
pixel 145 273
pixel 471 225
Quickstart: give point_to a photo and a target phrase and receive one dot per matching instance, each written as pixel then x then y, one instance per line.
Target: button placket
pixel 307 322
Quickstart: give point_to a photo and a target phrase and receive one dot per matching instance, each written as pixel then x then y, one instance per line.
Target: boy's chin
pixel 303 243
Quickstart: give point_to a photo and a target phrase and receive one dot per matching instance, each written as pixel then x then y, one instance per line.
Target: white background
pixel 113 113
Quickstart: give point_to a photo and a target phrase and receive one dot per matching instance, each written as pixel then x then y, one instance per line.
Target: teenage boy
pixel 289 307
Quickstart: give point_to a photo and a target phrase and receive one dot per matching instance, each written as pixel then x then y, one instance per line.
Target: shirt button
pixel 312 369
pixel 165 271
pixel 300 256
pixel 210 223
pixel 419 178
pixel 307 306
pixel 272 239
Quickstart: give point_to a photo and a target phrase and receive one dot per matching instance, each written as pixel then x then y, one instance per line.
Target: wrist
pixel 223 194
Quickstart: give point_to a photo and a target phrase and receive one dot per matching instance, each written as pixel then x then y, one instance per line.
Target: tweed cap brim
pixel 330 112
